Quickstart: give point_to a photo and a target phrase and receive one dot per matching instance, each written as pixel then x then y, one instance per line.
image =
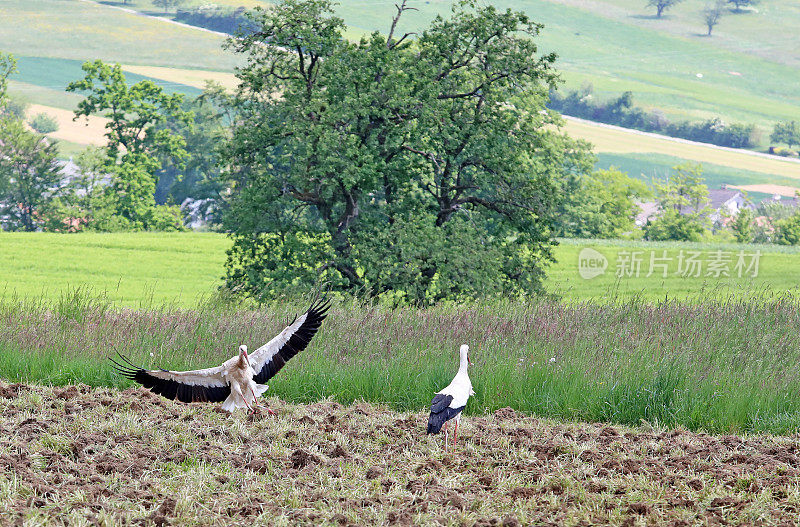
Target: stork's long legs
pixel 238 390
pixel 255 402
pixel 455 434
pixel 255 399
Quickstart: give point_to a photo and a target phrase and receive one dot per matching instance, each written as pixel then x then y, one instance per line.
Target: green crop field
pixel 132 269
pixel 152 269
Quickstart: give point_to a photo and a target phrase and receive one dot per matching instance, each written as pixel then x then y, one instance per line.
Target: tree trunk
pixel 341 239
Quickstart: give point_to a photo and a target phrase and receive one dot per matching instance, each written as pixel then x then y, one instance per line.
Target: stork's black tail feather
pixel 437 420
pixel 434 424
pixel 441 412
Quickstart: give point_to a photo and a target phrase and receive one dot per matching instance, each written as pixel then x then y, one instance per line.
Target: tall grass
pixel 718 365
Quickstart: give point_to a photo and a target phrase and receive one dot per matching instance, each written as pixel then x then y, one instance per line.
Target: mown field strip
pixel 84 131
pixel 614 139
pixel 196 78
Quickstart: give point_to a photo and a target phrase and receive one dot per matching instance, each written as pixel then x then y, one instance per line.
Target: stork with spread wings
pixel 240 380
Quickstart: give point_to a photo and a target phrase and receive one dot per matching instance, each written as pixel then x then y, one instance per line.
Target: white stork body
pixel 240 380
pixel 448 403
pixel 244 390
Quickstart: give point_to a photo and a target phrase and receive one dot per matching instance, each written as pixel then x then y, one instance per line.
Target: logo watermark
pixel 655 262
pixel 591 263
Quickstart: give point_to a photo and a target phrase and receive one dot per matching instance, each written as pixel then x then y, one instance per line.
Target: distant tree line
pixel 218 18
pixel 622 111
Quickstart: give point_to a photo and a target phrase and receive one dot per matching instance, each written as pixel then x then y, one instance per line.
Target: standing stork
pixel 450 402
pixel 238 381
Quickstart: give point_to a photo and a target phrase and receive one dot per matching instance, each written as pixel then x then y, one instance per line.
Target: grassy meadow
pixel 131 269
pixel 81 31
pixel 719 354
pixel 721 366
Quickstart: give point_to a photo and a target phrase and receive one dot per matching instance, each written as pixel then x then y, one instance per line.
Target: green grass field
pixel 151 269
pixel 741 32
pixel 132 269
pixel 719 365
pixel 57 73
pixel 719 354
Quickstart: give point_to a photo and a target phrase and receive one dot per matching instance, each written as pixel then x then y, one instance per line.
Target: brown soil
pixel 78 455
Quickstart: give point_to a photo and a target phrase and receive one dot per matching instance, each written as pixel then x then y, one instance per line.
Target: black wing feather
pixel 296 343
pixel 441 412
pixel 171 389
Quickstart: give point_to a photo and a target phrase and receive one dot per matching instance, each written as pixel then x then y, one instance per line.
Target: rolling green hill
pixel 83 30
pixel 749 69
pixel 619 49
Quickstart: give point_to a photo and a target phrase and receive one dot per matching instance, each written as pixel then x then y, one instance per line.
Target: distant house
pixel 724 202
pixel 728 202
pixel 648 210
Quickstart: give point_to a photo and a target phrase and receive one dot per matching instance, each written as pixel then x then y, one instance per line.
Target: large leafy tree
pixel 390 163
pixel 138 145
pixel 198 175
pixel 601 205
pixel 29 175
pixel 134 112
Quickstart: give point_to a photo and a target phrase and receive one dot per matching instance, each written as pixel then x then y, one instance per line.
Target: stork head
pixel 464 353
pixel 243 356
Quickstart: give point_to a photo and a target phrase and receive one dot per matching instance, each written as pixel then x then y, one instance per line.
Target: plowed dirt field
pixel 77 455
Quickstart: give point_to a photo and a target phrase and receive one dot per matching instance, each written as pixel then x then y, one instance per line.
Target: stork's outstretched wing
pixel 192 386
pixel 270 358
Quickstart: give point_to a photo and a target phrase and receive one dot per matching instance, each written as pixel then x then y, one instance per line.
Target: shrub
pixel 671 225
pixel 787 232
pixel 43 123
pixel 14 107
pixel 784 152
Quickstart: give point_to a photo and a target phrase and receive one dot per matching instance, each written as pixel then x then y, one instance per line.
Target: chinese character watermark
pixel 685 264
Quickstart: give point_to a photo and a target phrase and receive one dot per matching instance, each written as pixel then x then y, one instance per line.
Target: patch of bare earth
pixel 77 455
